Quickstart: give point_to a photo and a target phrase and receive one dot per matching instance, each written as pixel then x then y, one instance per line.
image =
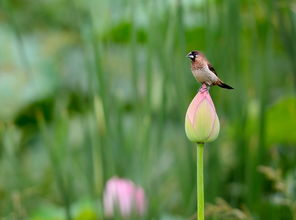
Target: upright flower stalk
pixel 201 126
pixel 200 182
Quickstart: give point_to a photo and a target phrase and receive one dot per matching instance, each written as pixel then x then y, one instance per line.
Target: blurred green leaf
pixel 48 212
pixel 281 121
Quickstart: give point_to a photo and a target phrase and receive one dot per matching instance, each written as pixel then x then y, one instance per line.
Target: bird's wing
pixel 212 68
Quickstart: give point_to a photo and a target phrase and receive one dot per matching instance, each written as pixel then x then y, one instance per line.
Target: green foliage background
pixel 97 88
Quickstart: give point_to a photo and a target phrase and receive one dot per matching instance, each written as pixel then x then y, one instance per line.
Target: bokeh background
pixel 98 88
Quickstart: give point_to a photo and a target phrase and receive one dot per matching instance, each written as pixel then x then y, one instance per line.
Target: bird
pixel 203 71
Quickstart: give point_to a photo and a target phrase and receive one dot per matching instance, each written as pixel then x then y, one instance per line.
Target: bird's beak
pixel 190 56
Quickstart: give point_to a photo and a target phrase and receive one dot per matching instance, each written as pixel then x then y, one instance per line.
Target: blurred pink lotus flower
pixel 201 120
pixel 124 197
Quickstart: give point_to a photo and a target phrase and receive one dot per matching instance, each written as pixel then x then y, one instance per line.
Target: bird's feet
pixel 204 88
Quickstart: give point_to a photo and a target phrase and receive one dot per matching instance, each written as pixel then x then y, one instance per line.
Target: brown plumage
pixel 203 71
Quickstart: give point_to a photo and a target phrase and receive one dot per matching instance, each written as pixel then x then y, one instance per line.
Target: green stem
pixel 200 182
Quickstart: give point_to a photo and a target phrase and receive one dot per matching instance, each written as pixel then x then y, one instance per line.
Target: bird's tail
pixel 223 85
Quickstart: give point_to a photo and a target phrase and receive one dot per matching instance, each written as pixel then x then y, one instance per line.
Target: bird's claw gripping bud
pixel 204 88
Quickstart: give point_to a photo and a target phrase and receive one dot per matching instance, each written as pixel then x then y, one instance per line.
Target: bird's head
pixel 193 55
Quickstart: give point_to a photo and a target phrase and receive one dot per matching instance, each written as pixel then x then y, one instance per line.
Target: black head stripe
pixel 195 53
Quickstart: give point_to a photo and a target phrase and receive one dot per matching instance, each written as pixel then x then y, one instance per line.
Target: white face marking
pixel 191 56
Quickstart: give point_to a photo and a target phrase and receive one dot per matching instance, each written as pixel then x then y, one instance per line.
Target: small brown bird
pixel 203 71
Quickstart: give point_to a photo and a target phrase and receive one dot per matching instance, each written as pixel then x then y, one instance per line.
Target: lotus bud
pixel 201 120
pixel 122 197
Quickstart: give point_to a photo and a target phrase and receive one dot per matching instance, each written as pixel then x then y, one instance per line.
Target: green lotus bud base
pixel 201 120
